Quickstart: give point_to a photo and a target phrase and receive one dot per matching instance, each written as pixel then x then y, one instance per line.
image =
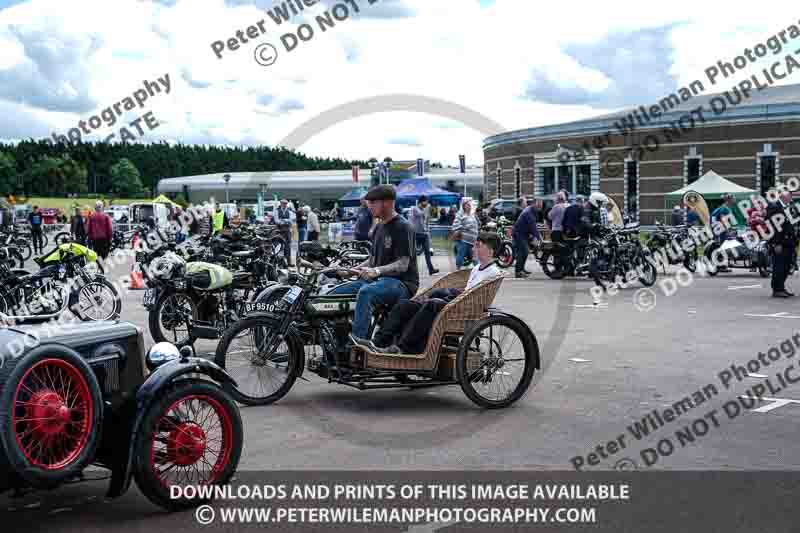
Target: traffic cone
pixel 137 280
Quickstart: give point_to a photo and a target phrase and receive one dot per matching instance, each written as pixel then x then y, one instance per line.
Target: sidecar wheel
pixel 495 362
pixel 51 426
pixel 191 435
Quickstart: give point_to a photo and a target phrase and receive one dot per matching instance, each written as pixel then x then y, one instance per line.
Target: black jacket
pixel 572 219
pixel 785 234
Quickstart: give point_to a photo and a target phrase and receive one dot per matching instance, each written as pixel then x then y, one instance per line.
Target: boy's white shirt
pixel 477 275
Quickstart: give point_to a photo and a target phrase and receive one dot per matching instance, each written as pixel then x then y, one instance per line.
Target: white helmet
pixel 597 198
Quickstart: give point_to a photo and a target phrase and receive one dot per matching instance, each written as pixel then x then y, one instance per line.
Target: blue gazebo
pixel 409 191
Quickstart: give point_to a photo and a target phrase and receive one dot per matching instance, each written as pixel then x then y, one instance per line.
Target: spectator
pixel 418 216
pixel 364 222
pixel 313 224
pixel 285 218
pixel 467 226
pixel 35 220
pixel 302 225
pixel 572 218
pixel 100 230
pixel 77 227
pixel 451 216
pixel 522 203
pixel 524 228
pixel 677 216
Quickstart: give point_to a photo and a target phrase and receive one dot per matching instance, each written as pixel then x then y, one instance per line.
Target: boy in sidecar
pixel 408 325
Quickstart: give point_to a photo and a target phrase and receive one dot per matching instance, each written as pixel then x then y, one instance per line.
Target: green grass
pixel 66 204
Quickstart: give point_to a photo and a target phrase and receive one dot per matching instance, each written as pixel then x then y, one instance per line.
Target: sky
pixel 518 63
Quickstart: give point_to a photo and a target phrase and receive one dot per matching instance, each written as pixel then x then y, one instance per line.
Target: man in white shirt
pixel 407 327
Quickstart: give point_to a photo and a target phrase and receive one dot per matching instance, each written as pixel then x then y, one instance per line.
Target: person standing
pixel 571 222
pixel 418 216
pixel 77 227
pixel 522 203
pixel 467 225
pixel 100 230
pixel 35 220
pixel 363 222
pixel 313 224
pixel 525 227
pixel 302 225
pixel 555 218
pixel 285 219
pixel 677 216
pixel 782 244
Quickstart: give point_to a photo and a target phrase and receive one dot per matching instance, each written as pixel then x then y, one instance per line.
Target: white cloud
pixel 482 58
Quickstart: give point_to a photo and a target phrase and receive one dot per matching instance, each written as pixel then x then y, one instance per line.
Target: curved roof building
pixel 638 155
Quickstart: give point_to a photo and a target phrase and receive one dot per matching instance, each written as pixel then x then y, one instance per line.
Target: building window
pixel 565 179
pixel 692 170
pixel 549 180
pixel 517 182
pixel 583 180
pixel 767 173
pixel 499 175
pixel 632 189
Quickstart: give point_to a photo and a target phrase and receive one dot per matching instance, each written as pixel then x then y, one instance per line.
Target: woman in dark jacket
pixel 77 227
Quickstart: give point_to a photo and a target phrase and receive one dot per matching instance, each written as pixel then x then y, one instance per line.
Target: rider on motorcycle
pixel 390 275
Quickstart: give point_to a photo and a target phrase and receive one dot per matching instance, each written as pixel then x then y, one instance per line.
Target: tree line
pixel 42 168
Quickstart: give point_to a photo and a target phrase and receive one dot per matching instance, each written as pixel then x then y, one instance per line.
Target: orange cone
pixel 137 280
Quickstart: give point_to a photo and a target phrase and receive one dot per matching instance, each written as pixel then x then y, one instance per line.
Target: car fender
pixel 145 396
pixel 537 364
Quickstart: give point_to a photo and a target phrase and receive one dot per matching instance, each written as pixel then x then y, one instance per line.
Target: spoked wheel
pixel 495 362
pixel 24 249
pixel 690 262
pixel 63 238
pixel 191 435
pixel 505 256
pixel 51 424
pixel 264 366
pixel 549 266
pixel 647 272
pixel 169 318
pixel 98 300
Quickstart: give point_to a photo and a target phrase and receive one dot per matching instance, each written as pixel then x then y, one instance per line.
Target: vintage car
pixel 80 396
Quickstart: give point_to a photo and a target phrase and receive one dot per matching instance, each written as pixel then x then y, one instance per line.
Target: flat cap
pixel 381 192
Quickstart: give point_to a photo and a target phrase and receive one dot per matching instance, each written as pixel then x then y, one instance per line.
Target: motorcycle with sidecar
pixel 79 396
pixel 490 353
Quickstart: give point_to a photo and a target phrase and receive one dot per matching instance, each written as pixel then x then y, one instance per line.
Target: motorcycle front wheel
pixel 263 374
pixel 168 319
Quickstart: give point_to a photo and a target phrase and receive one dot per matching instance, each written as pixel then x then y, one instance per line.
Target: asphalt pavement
pixel 630 358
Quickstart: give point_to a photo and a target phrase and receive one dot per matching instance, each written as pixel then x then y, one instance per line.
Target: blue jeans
pixel 463 250
pixel 383 291
pixel 301 233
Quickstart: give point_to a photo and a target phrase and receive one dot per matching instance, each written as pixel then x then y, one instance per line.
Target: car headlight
pixel 160 353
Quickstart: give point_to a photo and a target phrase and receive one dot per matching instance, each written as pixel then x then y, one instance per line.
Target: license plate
pixel 292 295
pixel 150 296
pixel 258 307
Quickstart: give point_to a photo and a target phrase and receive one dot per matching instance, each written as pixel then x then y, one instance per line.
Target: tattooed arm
pixel 398 267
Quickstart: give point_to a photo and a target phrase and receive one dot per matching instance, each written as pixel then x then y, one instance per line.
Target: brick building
pixel 638 155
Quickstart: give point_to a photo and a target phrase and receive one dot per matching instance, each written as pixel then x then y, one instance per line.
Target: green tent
pixel 713 188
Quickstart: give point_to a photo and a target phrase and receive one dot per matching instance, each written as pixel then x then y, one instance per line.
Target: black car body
pixel 74 396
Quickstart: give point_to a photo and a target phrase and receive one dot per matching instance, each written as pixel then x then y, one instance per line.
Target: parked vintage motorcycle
pixel 667 242
pixel 571 257
pixel 734 252
pixel 64 282
pixel 199 300
pixel 505 255
pixel 622 254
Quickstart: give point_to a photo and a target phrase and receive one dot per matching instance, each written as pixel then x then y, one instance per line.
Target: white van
pixel 141 211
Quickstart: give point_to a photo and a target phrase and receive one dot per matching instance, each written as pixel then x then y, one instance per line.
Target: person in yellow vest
pixel 218 220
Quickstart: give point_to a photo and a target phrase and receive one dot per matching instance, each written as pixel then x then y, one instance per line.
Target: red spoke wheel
pixel 191 435
pixel 51 424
